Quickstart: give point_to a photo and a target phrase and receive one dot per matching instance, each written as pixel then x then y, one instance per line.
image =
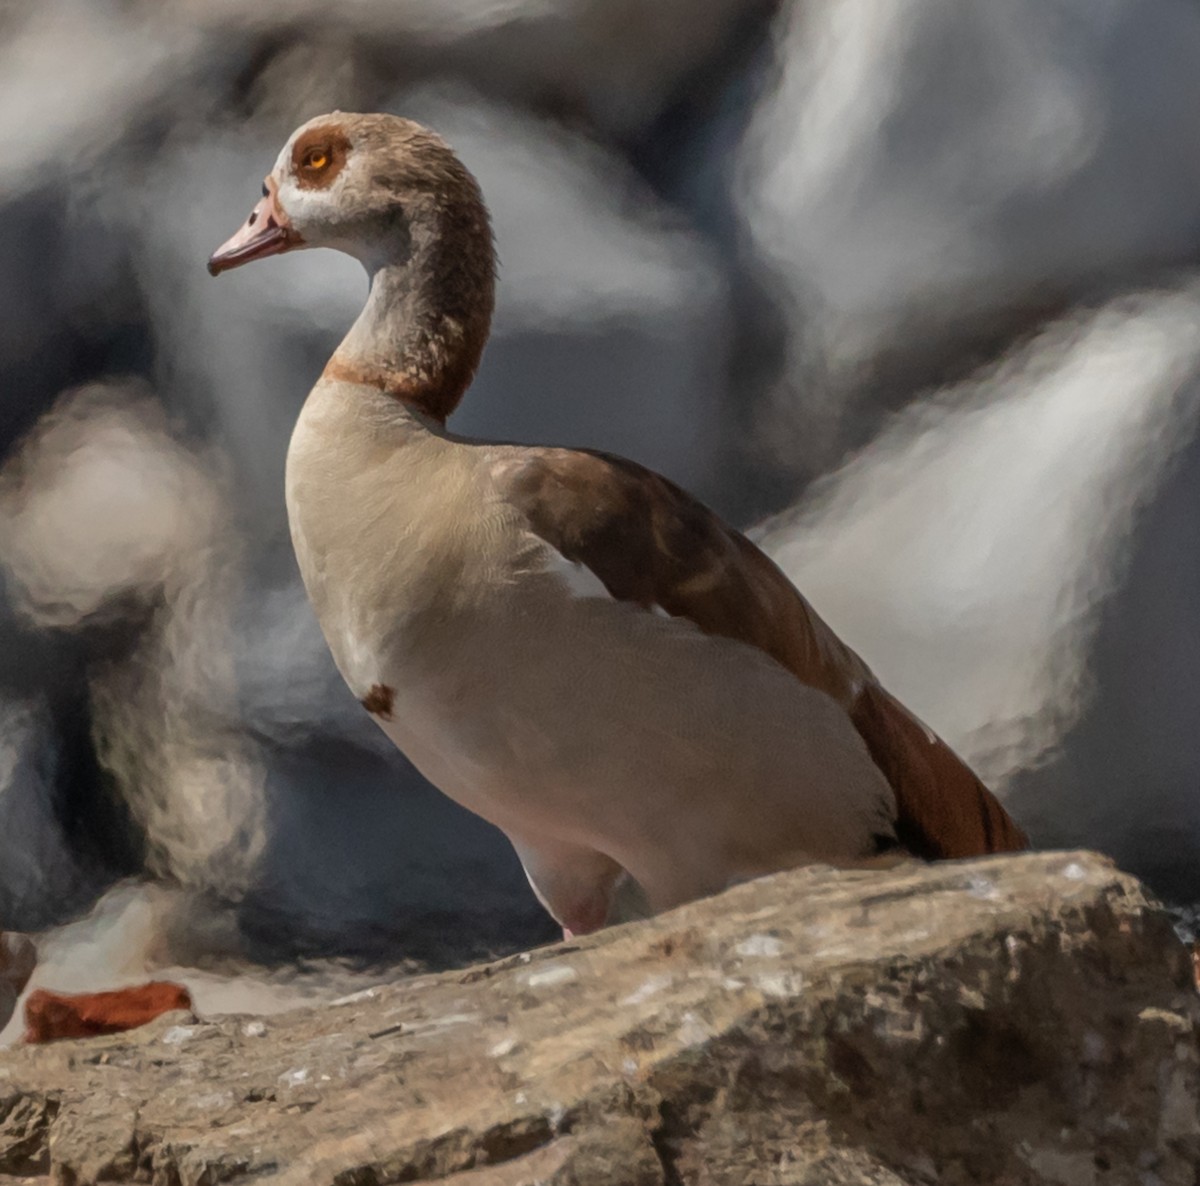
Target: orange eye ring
pixel 316 158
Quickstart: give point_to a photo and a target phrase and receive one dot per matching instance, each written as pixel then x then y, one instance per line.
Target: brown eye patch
pixel 319 156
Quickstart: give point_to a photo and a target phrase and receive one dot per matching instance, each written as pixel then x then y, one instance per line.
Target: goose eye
pixel 316 158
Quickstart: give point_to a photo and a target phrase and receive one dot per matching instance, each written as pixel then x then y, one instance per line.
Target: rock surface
pixel 1013 1021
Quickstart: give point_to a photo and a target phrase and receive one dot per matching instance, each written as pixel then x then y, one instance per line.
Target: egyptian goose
pixel 564 642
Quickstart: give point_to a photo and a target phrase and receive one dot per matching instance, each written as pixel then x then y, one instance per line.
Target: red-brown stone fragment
pixel 52 1016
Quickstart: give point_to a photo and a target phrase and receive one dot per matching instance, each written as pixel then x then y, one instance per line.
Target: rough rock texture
pixel 1018 1020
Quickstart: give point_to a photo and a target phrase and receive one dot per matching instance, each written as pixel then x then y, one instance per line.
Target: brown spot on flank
pixel 379 700
pixel 319 156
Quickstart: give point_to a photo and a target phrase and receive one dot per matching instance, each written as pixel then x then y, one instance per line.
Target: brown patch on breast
pixel 379 700
pixel 319 155
pixel 650 542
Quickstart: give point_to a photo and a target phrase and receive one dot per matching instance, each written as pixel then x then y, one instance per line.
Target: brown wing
pixel 651 543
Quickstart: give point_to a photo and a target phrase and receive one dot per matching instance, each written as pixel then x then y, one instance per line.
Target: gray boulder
pixel 1019 1020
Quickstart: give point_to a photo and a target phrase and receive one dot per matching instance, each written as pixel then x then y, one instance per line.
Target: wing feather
pixel 651 543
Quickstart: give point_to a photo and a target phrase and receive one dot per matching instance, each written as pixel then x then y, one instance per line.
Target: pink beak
pixel 268 231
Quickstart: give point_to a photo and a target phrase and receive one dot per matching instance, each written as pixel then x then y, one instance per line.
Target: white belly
pixel 601 725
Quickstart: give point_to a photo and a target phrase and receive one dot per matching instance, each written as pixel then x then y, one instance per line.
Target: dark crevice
pixel 666 1136
pixel 507 1142
pixel 444 1157
pixel 25 1122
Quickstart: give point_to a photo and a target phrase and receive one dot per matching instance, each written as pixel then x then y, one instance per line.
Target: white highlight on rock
pixel 178 1034
pixel 503 1047
pixel 652 986
pixel 254 1029
pixel 768 946
pixel 294 1078
pixel 980 887
pixel 1074 871
pixel 356 998
pixel 693 1030
pixel 212 1101
pixel 779 984
pixel 553 974
pixel 442 1023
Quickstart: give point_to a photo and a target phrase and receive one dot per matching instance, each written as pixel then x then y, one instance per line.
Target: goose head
pixel 363 184
pixel 395 196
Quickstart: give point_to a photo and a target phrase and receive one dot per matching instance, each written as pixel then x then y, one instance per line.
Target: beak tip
pixel 214 268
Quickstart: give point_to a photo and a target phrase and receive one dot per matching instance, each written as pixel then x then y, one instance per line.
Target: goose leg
pixel 575 884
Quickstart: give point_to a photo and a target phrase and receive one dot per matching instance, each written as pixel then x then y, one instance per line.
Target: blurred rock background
pixel 911 284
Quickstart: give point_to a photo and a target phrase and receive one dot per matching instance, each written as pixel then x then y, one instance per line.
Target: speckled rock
pixel 1013 1021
